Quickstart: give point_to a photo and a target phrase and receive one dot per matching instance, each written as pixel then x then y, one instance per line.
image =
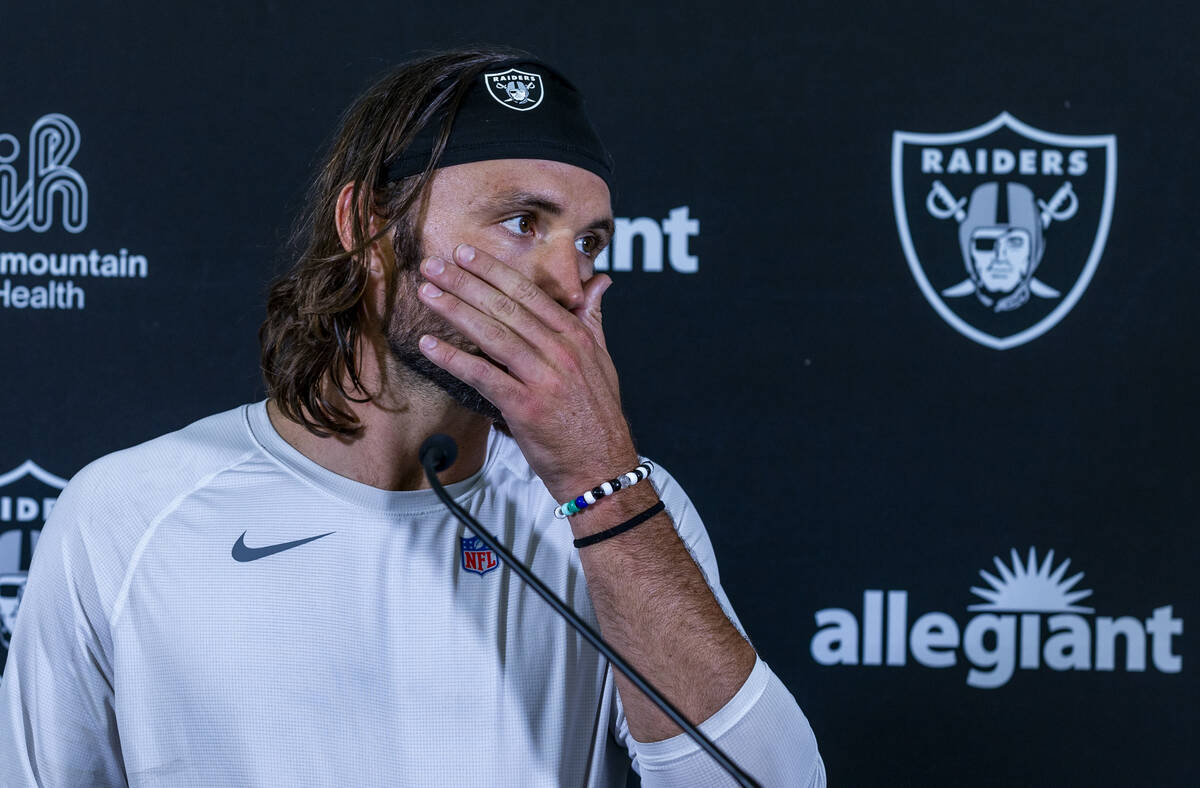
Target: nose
pixel 556 271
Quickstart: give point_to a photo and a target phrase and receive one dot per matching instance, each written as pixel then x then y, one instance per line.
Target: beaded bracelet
pixel 569 508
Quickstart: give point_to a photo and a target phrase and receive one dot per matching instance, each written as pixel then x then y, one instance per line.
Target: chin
pixel 461 393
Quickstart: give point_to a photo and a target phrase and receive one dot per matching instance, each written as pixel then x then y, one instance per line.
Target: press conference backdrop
pixel 904 297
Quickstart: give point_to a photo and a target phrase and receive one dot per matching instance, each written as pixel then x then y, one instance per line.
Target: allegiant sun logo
pixel 1030 618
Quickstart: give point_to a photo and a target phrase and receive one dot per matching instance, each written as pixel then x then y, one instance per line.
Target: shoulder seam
pixel 127 582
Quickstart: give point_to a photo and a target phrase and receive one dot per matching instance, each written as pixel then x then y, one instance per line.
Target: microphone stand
pixel 437 454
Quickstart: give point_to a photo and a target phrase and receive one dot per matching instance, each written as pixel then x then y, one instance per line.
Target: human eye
pixel 590 245
pixel 519 225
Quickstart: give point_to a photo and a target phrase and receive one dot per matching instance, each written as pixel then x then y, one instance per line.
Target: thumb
pixel 589 311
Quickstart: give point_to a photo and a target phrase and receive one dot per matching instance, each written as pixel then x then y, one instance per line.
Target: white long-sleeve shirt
pixel 160 641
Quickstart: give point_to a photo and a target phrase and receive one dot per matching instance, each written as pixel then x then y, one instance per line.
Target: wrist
pixel 585 476
pixel 613 509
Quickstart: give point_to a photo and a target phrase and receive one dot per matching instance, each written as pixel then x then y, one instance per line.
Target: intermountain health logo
pixel 52 192
pixel 53 143
pixel 1030 618
pixel 27 496
pixel 1003 225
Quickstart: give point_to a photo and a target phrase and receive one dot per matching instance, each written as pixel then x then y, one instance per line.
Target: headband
pixel 517 109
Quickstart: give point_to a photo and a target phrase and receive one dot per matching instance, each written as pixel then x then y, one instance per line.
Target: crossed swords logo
pixel 942 204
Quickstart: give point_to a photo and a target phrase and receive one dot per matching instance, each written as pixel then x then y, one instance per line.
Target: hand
pixel 546 368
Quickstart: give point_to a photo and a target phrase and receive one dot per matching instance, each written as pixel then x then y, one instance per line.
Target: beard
pixel 407 320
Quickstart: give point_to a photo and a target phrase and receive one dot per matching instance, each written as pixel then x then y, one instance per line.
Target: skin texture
pixel 507 302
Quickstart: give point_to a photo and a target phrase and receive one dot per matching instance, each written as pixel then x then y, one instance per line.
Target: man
pixel 273 596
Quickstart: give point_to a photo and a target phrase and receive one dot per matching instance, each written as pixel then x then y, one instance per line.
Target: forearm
pixel 761 729
pixel 657 610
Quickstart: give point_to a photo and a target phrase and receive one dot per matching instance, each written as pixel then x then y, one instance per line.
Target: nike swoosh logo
pixel 243 553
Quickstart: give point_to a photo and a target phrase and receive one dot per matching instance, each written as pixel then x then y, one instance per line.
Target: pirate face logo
pixel 518 92
pixel 515 89
pixel 1000 257
pixel 1025 233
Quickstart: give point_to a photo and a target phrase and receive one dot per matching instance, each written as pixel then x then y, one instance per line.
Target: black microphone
pixel 438 453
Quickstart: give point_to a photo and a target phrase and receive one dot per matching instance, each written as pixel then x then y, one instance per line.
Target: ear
pixel 346 217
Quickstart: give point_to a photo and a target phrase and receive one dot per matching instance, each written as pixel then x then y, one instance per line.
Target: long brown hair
pixel 310 338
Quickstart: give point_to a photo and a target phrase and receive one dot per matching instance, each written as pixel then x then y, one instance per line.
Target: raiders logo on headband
pixel 558 131
pixel 515 89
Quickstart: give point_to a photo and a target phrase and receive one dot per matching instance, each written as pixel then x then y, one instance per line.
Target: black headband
pixel 517 109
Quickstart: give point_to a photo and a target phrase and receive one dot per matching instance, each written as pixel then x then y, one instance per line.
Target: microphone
pixel 438 453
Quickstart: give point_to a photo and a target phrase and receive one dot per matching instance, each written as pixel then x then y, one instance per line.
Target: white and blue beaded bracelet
pixel 582 502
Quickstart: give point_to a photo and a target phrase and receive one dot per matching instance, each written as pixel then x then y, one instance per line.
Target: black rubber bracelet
pixel 617 530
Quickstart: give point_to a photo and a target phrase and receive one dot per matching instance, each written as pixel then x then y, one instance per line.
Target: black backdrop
pixel 836 433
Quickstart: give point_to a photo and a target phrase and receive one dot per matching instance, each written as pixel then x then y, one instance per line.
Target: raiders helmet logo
pixel 1003 225
pixel 519 90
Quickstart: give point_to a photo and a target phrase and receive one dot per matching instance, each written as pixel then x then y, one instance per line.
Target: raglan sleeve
pixel 57 715
pixel 761 728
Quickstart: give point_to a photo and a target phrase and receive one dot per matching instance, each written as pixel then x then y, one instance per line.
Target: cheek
pixel 408 318
pixel 441 234
pixel 493 241
pixel 435 241
pixel 504 246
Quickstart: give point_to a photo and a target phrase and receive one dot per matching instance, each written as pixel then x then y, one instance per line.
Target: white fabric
pixel 144 653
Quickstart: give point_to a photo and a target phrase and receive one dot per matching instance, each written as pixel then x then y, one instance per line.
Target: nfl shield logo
pixel 1003 225
pixel 515 89
pixel 476 557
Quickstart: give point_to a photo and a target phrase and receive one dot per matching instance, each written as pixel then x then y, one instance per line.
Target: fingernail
pixel 434 265
pixel 431 290
pixel 466 253
pixel 427 342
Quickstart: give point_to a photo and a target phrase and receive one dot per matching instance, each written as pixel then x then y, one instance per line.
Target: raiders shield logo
pixel 519 90
pixel 27 495
pixel 1003 225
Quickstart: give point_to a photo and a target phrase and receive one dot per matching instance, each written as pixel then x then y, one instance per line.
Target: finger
pixel 479 373
pixel 593 291
pixel 492 336
pixel 501 306
pixel 589 312
pixel 508 280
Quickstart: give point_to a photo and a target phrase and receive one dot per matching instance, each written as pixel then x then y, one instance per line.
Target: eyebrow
pixel 540 202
